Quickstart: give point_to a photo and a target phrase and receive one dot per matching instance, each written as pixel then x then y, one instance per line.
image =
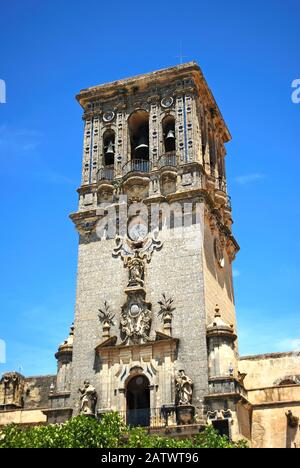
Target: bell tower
pixel 155 256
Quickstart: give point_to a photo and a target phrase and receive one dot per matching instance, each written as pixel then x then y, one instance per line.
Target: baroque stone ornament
pixel 166 307
pixel 135 322
pixel 184 388
pixel 136 315
pixel 106 317
pixel 128 249
pixel 88 399
pixel 218 414
pixel 166 312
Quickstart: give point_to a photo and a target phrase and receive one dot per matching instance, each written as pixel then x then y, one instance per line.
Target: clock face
pixel 137 230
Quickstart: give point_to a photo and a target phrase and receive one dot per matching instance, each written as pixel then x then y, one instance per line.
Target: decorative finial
pixel 166 311
pixel 106 318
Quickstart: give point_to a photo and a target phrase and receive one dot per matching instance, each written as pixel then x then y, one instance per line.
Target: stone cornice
pixel 167 76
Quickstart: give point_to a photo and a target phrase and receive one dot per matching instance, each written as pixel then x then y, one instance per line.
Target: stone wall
pixel 218 283
pixel 268 370
pixel 36 391
pixel 34 399
pixel 272 398
pixel 176 270
pixel 22 417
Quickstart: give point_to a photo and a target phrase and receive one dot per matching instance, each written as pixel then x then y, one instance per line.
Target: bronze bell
pixel 142 148
pixel 110 149
pixel 170 135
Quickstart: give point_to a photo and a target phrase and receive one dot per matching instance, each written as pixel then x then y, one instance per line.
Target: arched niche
pixel 138 126
pixel 169 136
pixel 109 138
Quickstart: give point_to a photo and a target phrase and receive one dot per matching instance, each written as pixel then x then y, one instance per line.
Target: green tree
pixel 110 432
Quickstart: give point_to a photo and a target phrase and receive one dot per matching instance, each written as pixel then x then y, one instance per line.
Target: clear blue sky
pixel 249 53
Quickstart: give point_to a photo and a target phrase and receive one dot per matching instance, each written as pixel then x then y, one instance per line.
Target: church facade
pixel 155 335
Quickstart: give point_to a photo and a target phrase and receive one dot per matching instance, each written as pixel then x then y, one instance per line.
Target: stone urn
pixel 185 414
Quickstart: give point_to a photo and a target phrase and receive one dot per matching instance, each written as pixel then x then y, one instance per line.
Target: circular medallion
pixel 108 116
pixel 134 310
pixel 219 253
pixel 167 101
pixel 137 229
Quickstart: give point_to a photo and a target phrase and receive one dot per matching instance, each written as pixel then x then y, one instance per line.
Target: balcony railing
pixel 225 385
pixel 136 165
pixel 106 173
pixel 147 417
pixel 168 159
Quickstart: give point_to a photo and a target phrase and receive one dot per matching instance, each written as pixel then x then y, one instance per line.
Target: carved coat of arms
pixel 135 322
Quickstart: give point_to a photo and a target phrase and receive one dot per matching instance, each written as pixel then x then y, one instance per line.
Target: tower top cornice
pixel 152 81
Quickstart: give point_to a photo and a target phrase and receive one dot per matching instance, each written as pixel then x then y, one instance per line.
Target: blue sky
pixel 249 53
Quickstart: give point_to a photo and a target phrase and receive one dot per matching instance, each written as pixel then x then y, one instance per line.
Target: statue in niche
pixel 184 389
pixel 136 269
pixel 88 399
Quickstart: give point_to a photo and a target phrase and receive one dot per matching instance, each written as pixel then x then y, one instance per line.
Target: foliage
pixel 110 432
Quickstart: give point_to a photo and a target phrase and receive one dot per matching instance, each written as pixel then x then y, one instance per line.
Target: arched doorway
pixel 138 401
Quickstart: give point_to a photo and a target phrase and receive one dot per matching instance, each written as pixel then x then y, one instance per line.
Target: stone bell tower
pixel 155 256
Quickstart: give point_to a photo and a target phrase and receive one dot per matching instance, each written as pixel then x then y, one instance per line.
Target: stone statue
pixel 136 272
pixel 184 389
pixel 88 399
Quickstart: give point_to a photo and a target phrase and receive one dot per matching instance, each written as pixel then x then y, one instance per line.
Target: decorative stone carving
pixel 219 414
pixel 88 399
pixel 166 312
pixel 135 322
pixel 107 319
pixel 185 414
pixel 184 388
pixel 11 389
pixel 128 249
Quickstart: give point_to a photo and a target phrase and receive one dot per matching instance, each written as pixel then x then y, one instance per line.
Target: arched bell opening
pixel 168 127
pixel 109 147
pixel 138 124
pixel 138 401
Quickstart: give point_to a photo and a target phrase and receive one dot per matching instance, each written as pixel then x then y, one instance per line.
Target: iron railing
pixel 136 165
pixel 106 173
pixel 146 417
pixel 168 159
